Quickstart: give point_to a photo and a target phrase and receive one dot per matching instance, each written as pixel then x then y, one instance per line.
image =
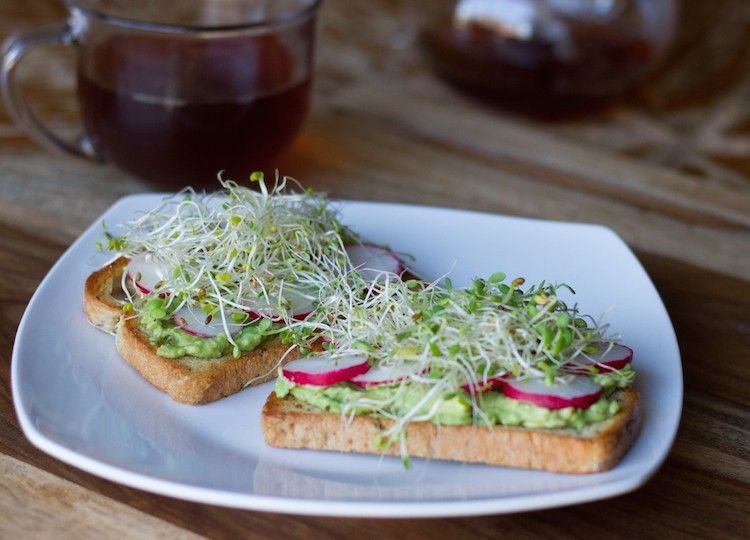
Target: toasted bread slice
pixel 186 379
pixel 198 380
pixel 289 423
pixel 103 296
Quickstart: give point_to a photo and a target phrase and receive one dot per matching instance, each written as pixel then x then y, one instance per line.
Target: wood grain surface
pixel 51 506
pixel 668 169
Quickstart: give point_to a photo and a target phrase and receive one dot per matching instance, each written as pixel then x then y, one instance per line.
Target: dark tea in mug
pixel 176 111
pixel 175 91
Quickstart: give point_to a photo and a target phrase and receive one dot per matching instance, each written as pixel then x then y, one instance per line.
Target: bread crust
pixel 101 307
pixel 186 379
pixel 197 380
pixel 288 423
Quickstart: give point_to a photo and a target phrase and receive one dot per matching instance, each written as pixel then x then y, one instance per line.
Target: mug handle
pixel 14 49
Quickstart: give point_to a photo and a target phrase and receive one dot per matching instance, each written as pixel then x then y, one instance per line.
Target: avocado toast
pixel 202 285
pixel 489 374
pixel 185 378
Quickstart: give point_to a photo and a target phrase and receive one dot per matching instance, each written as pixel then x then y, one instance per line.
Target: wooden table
pixel 669 170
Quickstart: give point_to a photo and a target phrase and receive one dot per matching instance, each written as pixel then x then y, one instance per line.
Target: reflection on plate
pixel 78 401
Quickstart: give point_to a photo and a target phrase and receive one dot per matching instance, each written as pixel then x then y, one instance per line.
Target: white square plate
pixel 80 402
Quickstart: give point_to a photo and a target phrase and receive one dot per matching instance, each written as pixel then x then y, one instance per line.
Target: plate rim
pixel 339 507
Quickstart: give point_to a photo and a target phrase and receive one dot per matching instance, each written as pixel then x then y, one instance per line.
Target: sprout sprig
pixel 454 337
pixel 234 250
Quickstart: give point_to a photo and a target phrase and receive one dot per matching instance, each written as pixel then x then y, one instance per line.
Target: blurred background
pixel 635 117
pixel 690 114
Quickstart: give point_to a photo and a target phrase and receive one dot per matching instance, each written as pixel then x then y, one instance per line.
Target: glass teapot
pixel 547 57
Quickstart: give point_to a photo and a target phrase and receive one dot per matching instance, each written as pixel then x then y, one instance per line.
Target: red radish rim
pixel 143 262
pixel 138 286
pixel 196 323
pixel 399 263
pixel 372 384
pixel 182 324
pixel 551 401
pixel 327 378
pixel 612 365
pixel 602 367
pixel 480 387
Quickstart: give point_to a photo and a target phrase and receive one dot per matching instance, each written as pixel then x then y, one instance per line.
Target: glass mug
pixel 176 90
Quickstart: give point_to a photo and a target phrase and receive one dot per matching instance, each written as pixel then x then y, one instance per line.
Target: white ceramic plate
pixel 80 402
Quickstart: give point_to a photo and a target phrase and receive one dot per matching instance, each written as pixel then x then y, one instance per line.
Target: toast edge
pixel 223 377
pixel 287 423
pixel 101 308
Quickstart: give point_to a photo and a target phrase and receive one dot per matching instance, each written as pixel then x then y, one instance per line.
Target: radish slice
pixel 146 271
pixel 300 306
pixel 576 391
pixel 322 370
pixel 380 375
pixel 617 357
pixel 193 321
pixel 480 386
pixel 371 260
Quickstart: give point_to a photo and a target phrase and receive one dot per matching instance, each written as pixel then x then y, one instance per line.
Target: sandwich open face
pixel 204 285
pixel 491 374
pixel 212 293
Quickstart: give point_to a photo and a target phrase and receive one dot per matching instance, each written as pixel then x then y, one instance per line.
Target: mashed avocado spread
pixel 456 409
pixel 173 342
